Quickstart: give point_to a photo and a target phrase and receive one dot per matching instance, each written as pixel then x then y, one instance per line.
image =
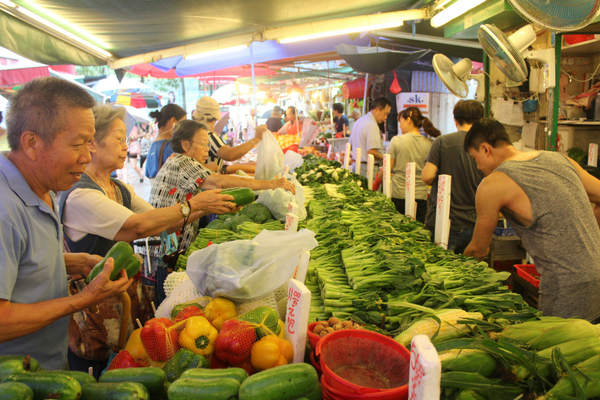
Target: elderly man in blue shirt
pixel 49 127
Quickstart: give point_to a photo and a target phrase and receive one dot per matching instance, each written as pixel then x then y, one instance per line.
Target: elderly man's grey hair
pixel 42 106
pixel 105 115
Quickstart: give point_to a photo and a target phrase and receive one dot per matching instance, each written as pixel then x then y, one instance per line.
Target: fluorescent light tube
pixel 364 28
pixel 455 10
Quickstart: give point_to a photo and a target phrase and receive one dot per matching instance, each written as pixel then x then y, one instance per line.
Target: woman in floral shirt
pixel 184 174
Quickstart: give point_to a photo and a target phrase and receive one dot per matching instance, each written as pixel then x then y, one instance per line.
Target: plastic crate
pixel 526 271
pixel 504 232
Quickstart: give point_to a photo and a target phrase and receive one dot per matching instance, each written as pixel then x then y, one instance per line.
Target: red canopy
pixel 223 75
pixel 10 77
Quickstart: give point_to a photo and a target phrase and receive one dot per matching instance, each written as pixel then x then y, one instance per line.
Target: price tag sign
pixel 370 166
pixel 593 155
pixel 291 222
pixel 296 320
pixel 425 370
pixel 442 215
pixel 310 131
pixel 409 192
pixel 357 162
pixel 293 208
pixel 387 176
pixel 347 156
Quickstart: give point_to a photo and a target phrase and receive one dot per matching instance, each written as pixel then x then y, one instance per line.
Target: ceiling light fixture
pixel 41 23
pixel 455 10
pixel 362 23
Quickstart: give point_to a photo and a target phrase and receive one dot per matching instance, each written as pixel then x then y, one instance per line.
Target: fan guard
pixel 558 15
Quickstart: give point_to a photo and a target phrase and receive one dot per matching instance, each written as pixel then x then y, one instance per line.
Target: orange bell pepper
pixel 137 350
pixel 270 352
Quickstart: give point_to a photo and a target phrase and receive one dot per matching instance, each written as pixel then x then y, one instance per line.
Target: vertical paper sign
pixel 296 318
pixel 370 166
pixel 593 155
pixel 409 194
pixel 347 156
pixel 329 151
pixel 442 215
pixel 425 372
pixel 387 176
pixel 291 222
pixel 357 162
pixel 286 170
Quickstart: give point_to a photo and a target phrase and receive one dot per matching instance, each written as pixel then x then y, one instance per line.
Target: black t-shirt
pixel 449 156
pixel 274 124
pixel 340 122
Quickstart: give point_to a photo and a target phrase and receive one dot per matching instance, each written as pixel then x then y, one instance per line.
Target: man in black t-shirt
pixel 341 121
pixel 274 122
pixel 447 156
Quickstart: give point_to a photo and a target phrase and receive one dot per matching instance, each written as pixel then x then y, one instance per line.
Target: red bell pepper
pixel 123 360
pixel 160 339
pixel 234 343
pixel 189 311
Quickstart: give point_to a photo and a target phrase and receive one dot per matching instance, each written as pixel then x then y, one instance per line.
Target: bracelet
pixel 253 142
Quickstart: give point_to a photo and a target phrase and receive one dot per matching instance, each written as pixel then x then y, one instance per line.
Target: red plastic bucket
pixel 331 393
pixel 354 89
pixel 362 362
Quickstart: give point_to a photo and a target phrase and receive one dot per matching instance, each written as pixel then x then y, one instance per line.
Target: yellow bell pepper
pixel 135 347
pixel 270 352
pixel 281 329
pixel 198 336
pixel 220 310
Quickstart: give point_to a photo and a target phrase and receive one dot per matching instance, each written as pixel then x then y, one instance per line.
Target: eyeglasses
pixel 204 145
pixel 122 141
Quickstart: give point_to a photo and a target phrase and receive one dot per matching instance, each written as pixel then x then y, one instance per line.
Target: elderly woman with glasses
pixel 184 174
pixel 99 211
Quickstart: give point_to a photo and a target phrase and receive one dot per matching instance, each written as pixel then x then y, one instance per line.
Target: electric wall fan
pixel 454 76
pixel 558 15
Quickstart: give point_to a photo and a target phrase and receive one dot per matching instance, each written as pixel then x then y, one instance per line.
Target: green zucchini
pixel 34 365
pixel 114 391
pixel 287 382
pixel 214 389
pixel 238 374
pixel 241 196
pixel 48 385
pixel 154 379
pixel 79 376
pixel 315 394
pixel 15 391
pixel 121 252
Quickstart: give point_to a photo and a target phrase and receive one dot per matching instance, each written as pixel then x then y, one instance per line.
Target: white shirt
pixel 90 211
pixel 365 135
pixel 250 128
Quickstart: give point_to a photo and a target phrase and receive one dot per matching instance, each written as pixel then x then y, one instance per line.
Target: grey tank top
pixel 563 238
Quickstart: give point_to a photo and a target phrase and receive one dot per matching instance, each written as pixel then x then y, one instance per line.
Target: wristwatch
pixel 185 209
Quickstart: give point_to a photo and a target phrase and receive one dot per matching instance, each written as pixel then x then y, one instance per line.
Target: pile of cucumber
pixel 22 379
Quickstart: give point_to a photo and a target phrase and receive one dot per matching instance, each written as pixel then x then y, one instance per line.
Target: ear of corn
pixel 468 394
pixel 587 375
pixel 492 388
pixel 468 360
pixel 449 329
pixel 574 352
pixel 576 329
pixel 530 330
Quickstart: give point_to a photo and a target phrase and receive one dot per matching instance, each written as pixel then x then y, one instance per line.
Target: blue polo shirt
pixel 154 155
pixel 32 265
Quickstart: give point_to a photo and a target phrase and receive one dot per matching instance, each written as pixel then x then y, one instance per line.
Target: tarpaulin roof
pixel 133 27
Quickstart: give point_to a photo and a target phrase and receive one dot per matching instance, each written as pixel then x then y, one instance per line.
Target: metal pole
pixel 253 86
pixel 365 96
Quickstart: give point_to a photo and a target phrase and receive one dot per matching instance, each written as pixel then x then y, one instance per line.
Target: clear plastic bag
pixel 249 269
pixel 277 201
pixel 293 160
pixel 269 161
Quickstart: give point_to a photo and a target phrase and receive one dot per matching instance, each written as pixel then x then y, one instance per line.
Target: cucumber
pixel 315 394
pixel 238 374
pixel 48 385
pixel 241 196
pixel 287 382
pixel 79 376
pixel 14 366
pixel 114 391
pixel 34 365
pixel 15 391
pixel 121 252
pixel 214 389
pixel 154 379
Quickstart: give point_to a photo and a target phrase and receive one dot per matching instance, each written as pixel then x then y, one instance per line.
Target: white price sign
pixel 410 207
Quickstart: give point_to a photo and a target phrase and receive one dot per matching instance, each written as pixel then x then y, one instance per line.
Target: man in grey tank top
pixel 546 197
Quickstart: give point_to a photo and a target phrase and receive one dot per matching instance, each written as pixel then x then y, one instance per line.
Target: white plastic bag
pixel 293 160
pixel 269 161
pixel 277 201
pixel 249 269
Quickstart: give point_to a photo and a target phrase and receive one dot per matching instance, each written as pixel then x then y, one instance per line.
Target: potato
pixel 333 320
pixel 318 329
pixel 338 327
pixel 329 330
pixel 323 334
pixel 346 324
pixel 323 323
